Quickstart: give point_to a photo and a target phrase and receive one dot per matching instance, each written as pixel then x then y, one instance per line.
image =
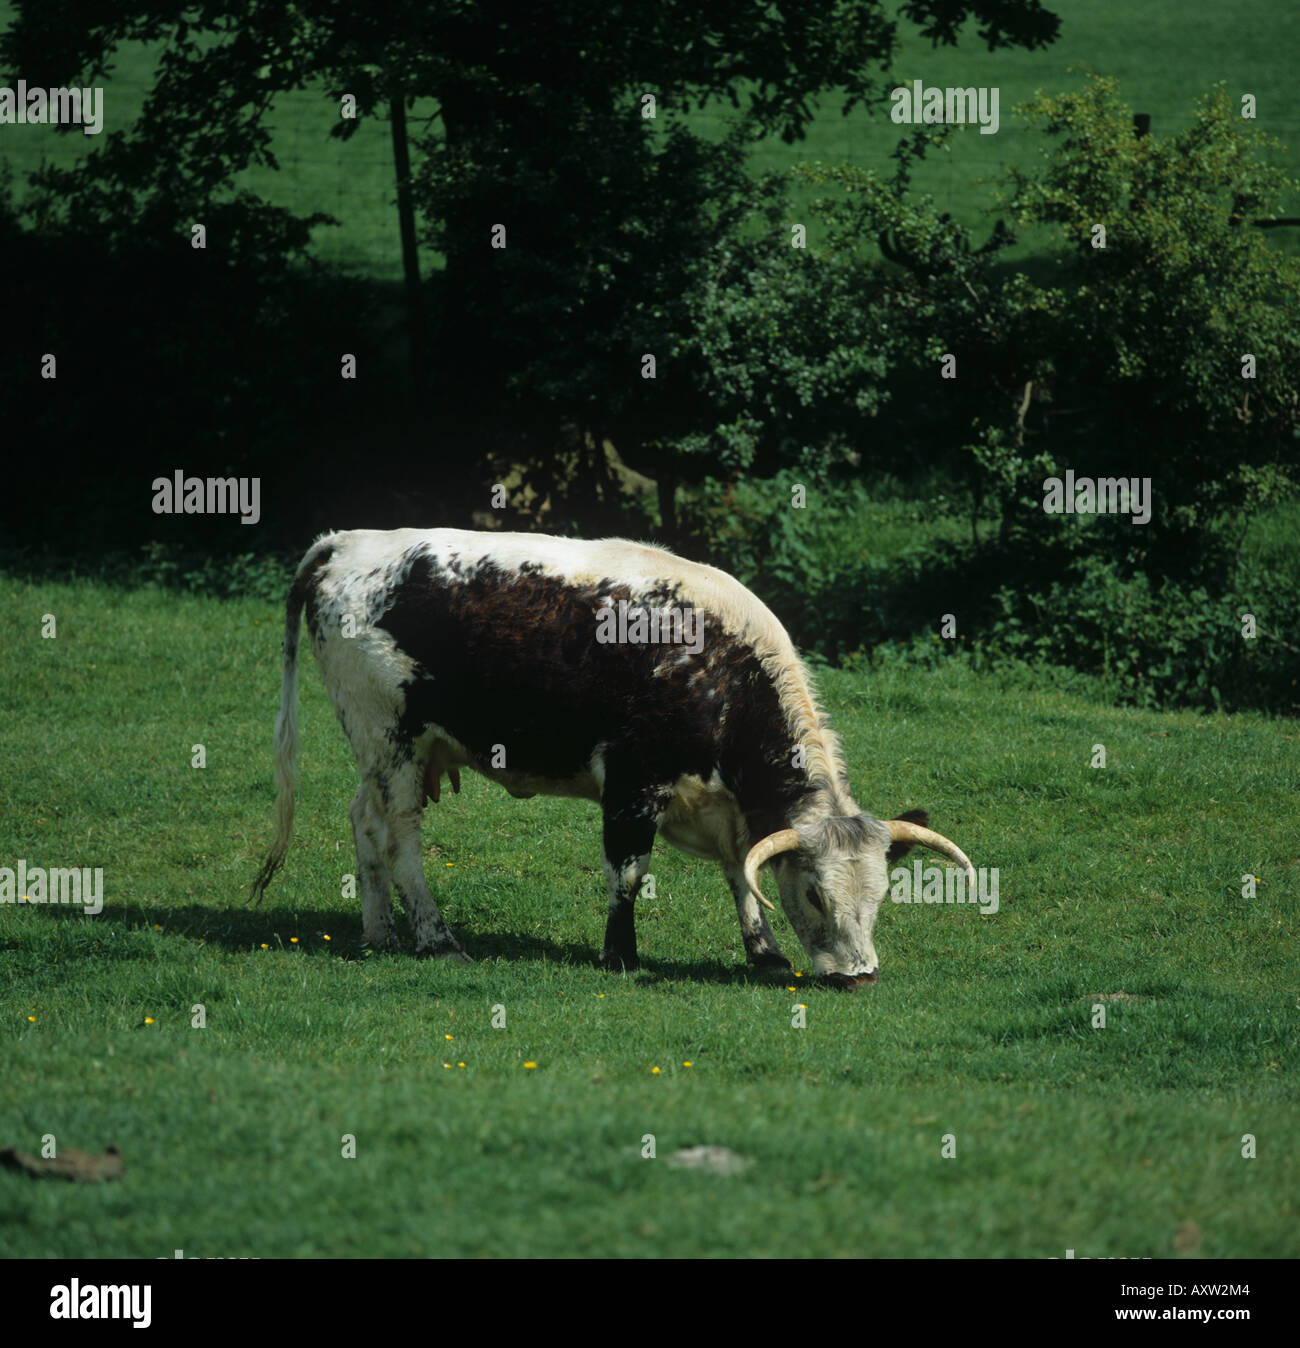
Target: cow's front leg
pixel 761 949
pixel 629 835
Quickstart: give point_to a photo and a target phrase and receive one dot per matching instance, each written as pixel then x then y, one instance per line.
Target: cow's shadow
pixel 337 931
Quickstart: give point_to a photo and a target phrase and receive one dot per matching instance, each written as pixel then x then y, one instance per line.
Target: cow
pixel 611 671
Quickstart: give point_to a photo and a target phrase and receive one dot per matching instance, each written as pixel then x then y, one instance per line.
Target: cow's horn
pixel 784 840
pixel 900 830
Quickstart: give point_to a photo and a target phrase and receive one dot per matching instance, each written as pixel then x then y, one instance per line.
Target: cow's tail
pixel 286 727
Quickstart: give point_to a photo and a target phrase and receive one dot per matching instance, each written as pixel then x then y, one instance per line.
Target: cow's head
pixel 833 875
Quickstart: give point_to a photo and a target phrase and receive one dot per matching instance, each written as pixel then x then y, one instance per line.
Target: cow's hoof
pixel 446 952
pixel 848 982
pixel 772 963
pixel 617 963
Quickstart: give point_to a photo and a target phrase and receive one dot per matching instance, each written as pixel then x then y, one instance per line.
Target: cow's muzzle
pixel 849 982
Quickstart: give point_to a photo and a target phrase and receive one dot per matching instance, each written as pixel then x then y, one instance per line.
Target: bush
pixel 183 570
pixel 846 598
pixel 1158 645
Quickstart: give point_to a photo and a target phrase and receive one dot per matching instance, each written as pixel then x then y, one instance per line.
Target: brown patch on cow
pixel 514 658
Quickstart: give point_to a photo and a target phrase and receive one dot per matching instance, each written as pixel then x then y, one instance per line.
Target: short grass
pixel 1121 885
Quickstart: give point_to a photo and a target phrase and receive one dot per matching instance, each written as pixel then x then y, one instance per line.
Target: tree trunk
pixel 406 219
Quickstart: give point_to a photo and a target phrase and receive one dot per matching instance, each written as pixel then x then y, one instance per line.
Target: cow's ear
pixel 901 849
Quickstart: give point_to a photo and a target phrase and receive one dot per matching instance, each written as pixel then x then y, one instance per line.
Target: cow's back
pixel 509 643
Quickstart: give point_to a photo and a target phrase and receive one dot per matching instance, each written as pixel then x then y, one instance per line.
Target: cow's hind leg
pixel 403 794
pixel 373 876
pixel 761 949
pixel 628 836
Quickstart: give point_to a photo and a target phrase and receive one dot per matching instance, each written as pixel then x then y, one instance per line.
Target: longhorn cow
pixel 612 671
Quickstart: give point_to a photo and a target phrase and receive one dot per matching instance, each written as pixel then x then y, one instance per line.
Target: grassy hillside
pixel 1119 887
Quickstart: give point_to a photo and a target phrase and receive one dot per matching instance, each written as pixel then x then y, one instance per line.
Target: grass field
pixel 1166 53
pixel 1120 885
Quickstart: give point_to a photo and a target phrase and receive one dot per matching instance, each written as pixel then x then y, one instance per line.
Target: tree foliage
pixel 1163 317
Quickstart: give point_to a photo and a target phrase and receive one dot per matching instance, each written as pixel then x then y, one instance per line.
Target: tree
pixel 538 109
pixel 1153 330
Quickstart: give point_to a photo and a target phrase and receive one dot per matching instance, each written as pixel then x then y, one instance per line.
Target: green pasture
pixel 1120 887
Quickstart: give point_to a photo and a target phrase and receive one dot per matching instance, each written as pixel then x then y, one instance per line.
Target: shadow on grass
pixel 245 929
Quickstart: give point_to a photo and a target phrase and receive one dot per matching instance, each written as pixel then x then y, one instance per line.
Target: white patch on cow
pixel 597 766
pixel 624 879
pixel 704 820
pixel 840 939
pixel 363 674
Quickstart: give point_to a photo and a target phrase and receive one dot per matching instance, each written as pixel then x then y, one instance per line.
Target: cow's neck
pixel 791 782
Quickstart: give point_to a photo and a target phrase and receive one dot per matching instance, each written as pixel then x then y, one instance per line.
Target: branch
pixel 1272 636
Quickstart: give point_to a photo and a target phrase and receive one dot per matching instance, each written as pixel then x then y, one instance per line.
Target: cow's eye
pixel 815 898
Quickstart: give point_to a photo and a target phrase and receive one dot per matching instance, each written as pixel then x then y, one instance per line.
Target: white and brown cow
pixel 613 671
